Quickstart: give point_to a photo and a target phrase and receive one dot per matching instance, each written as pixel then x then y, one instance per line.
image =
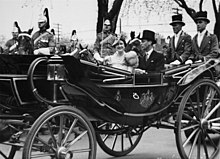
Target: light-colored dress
pixel 117 61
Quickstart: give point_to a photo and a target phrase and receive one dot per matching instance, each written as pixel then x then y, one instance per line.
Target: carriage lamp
pixel 55 73
pixel 55 69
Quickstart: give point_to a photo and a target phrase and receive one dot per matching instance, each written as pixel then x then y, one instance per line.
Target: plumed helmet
pixel 42 19
pixel 16 28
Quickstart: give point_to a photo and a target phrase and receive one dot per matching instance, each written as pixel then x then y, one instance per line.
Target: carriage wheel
pixel 117 140
pixel 61 132
pixel 198 121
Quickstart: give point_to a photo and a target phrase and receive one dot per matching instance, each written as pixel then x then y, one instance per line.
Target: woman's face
pixel 120 46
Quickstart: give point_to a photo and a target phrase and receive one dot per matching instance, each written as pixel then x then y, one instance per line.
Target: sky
pixel 81 15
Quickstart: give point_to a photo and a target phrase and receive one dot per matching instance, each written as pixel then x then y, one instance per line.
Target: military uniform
pixel 43 40
pixel 11 46
pixel 103 44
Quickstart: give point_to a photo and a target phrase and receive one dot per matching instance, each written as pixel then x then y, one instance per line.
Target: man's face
pixel 15 35
pixel 120 46
pixel 145 44
pixel 201 25
pixel 106 27
pixel 41 24
pixel 176 27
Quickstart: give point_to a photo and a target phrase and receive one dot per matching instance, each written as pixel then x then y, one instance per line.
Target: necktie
pixel 146 56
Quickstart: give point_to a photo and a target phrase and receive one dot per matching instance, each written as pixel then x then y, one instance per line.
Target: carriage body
pixel 95 94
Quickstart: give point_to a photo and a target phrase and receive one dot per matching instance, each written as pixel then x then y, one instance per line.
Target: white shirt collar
pixel 148 53
pixel 178 34
pixel 202 33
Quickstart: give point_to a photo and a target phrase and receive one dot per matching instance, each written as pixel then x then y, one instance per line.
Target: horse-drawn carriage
pixel 65 105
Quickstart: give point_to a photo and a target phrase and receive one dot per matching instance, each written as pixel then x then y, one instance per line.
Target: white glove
pixel 13 46
pixel 188 62
pixel 139 71
pixel 44 51
pixel 98 57
pixel 176 62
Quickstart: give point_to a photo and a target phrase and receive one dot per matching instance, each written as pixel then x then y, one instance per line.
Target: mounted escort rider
pixel 104 40
pixel 11 45
pixel 43 40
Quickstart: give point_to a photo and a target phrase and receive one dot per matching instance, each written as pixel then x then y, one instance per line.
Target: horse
pixel 25 46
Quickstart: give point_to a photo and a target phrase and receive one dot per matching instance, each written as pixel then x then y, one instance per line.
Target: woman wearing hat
pixel 150 61
pixel 180 44
pixel 120 59
pixel 204 44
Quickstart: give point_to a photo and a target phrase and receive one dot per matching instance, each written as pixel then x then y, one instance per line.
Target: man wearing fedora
pixel 150 60
pixel 204 44
pixel 180 44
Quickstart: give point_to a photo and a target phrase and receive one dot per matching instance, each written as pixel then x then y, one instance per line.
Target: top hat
pixel 177 19
pixel 201 16
pixel 149 35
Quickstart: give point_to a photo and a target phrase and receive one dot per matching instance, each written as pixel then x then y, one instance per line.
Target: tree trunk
pixel 112 15
pixel 217 17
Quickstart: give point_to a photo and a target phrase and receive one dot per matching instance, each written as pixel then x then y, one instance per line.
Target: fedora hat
pixel 149 35
pixel 201 15
pixel 177 19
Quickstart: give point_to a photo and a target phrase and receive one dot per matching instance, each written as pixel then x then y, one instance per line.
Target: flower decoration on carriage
pixel 118 96
pixel 147 99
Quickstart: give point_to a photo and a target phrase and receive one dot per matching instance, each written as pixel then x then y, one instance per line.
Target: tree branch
pixel 200 5
pixel 190 11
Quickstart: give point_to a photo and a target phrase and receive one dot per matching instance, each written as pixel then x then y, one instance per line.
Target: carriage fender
pixel 72 91
pixel 194 73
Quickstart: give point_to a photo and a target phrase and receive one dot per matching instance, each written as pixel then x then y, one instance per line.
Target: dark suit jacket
pixel 155 62
pixel 208 47
pixel 183 48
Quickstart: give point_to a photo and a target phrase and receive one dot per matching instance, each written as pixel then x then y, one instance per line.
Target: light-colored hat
pixel 42 18
pixel 74 37
pixel 107 22
pixel 15 29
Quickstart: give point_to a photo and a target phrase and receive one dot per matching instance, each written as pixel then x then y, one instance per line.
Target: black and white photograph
pixel 110 79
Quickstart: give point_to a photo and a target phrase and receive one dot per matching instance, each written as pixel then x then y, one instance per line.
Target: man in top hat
pixel 180 44
pixel 150 60
pixel 43 40
pixel 104 40
pixel 204 44
pixel 11 44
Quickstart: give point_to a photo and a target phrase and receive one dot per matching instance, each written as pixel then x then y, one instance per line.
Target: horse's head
pixel 25 46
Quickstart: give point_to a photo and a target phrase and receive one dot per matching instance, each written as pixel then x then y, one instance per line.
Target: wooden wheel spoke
pixel 198 147
pixel 204 99
pixel 190 118
pixel 51 134
pixel 114 142
pixel 194 143
pixel 205 145
pixel 70 131
pixel 211 140
pixel 122 142
pixel 190 137
pixel 60 134
pixel 198 102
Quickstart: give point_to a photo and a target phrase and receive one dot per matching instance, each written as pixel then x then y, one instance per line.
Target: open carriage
pixel 68 104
